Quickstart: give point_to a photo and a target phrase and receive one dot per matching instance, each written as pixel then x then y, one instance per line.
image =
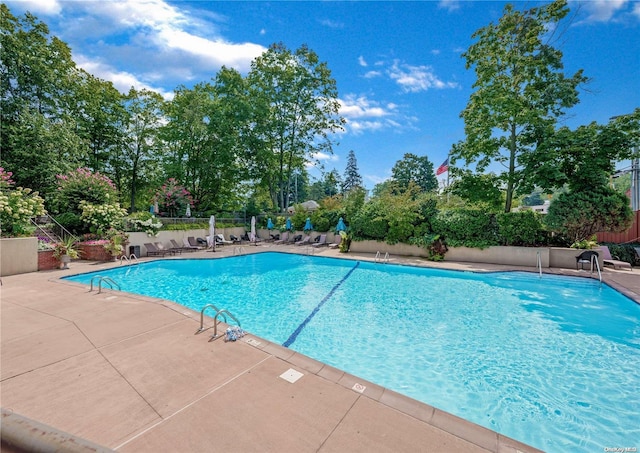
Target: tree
pixel 580 215
pixel 139 161
pixel 296 110
pixel 352 178
pixel 38 86
pixel 418 170
pixel 483 188
pixel 520 91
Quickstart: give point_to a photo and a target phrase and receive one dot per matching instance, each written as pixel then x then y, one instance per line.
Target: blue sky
pixel 401 80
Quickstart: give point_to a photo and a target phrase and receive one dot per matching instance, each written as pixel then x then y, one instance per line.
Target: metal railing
pixel 380 259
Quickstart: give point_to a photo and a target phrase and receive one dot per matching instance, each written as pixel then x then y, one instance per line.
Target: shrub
pixel 523 228
pixel 102 218
pixel 467 227
pixel 368 223
pixel 83 185
pixel 17 207
pixel 72 222
pixel 579 215
pixel 173 199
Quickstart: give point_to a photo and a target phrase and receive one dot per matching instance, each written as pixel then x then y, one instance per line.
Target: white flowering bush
pixel 17 207
pixel 102 217
pixel 151 226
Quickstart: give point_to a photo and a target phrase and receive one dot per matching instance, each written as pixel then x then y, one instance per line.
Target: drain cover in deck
pixel 291 375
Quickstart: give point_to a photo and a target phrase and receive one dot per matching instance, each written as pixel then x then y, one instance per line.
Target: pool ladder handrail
pixel 539 263
pixel 238 251
pixel 202 329
pixel 379 259
pixel 594 258
pixel 128 259
pixel 310 250
pixel 224 312
pixel 101 279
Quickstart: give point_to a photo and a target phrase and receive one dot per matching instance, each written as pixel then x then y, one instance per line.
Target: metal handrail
pixel 594 258
pixel 202 316
pixel 539 263
pixel 378 258
pixel 223 312
pixel 108 281
pixel 129 258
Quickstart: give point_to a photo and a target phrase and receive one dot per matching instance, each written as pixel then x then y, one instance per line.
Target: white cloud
pixel 362 62
pixel 122 80
pixel 331 24
pixel 450 5
pixel 372 74
pixel 361 107
pixel 263 32
pixel 636 10
pixel 42 7
pixel 603 10
pixel 414 79
pixel 377 179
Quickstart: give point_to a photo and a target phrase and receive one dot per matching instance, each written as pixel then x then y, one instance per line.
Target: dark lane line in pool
pixel 296 332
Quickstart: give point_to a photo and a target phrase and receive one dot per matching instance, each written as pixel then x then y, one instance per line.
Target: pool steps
pixel 380 259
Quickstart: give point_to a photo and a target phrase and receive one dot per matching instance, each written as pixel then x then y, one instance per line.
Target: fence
pixel 631 235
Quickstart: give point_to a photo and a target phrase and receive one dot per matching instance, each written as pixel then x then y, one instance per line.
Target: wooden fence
pixel 631 235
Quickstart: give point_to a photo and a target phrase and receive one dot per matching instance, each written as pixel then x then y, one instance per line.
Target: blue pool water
pixel 553 362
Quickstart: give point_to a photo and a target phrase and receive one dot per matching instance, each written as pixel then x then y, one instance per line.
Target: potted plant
pixel 117 242
pixel 66 250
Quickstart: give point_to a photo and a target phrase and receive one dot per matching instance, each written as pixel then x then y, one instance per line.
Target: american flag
pixel 443 168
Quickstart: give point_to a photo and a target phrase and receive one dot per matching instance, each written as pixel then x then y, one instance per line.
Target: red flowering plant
pixel 173 199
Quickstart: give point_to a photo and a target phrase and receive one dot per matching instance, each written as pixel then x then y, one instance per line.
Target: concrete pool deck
pixel 128 373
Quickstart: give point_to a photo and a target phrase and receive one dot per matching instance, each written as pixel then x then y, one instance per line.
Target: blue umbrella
pixel 341 226
pixel 269 224
pixel 307 225
pixel 288 225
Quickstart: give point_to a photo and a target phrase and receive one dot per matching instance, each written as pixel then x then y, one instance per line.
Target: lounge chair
pixel 160 246
pixel 608 259
pixel 152 250
pixel 193 242
pixel 305 240
pixel 283 239
pixel 176 246
pixel 586 257
pixel 322 241
pixel 252 238
pixel 187 246
pixel 221 240
pixel 235 239
pixel 637 250
pixel 337 239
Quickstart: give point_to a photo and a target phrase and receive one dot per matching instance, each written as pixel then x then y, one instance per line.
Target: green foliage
pixel 623 252
pixel 352 178
pixel 72 222
pixel 434 244
pixel 187 226
pixel 520 91
pixel 17 206
pixel 102 218
pixel 586 244
pixel 66 246
pixel 478 188
pixel 143 221
pixel 580 215
pixel 414 169
pixel 523 228
pixel 173 199
pixel 82 185
pixel 345 241
pixel 299 218
pixel 467 227
pixel 369 223
pixel 321 220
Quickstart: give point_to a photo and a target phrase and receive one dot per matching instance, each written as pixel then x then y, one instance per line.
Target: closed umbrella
pixel 308 226
pixel 156 210
pixel 212 232
pixel 188 213
pixel 341 226
pixel 269 224
pixel 253 229
pixel 288 225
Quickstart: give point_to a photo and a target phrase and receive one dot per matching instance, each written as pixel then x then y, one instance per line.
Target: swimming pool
pixel 552 362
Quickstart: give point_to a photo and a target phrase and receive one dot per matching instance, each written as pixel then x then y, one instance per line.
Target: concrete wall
pixel 18 255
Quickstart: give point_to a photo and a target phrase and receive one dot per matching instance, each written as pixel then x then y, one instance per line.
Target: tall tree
pixel 38 86
pixel 296 102
pixel 140 159
pixel 520 91
pixel 352 178
pixel 414 169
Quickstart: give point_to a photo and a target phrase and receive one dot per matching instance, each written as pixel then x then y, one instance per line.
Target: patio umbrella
pixel 288 225
pixel 341 226
pixel 269 224
pixel 188 213
pixel 253 229
pixel 156 210
pixel 308 226
pixel 212 232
